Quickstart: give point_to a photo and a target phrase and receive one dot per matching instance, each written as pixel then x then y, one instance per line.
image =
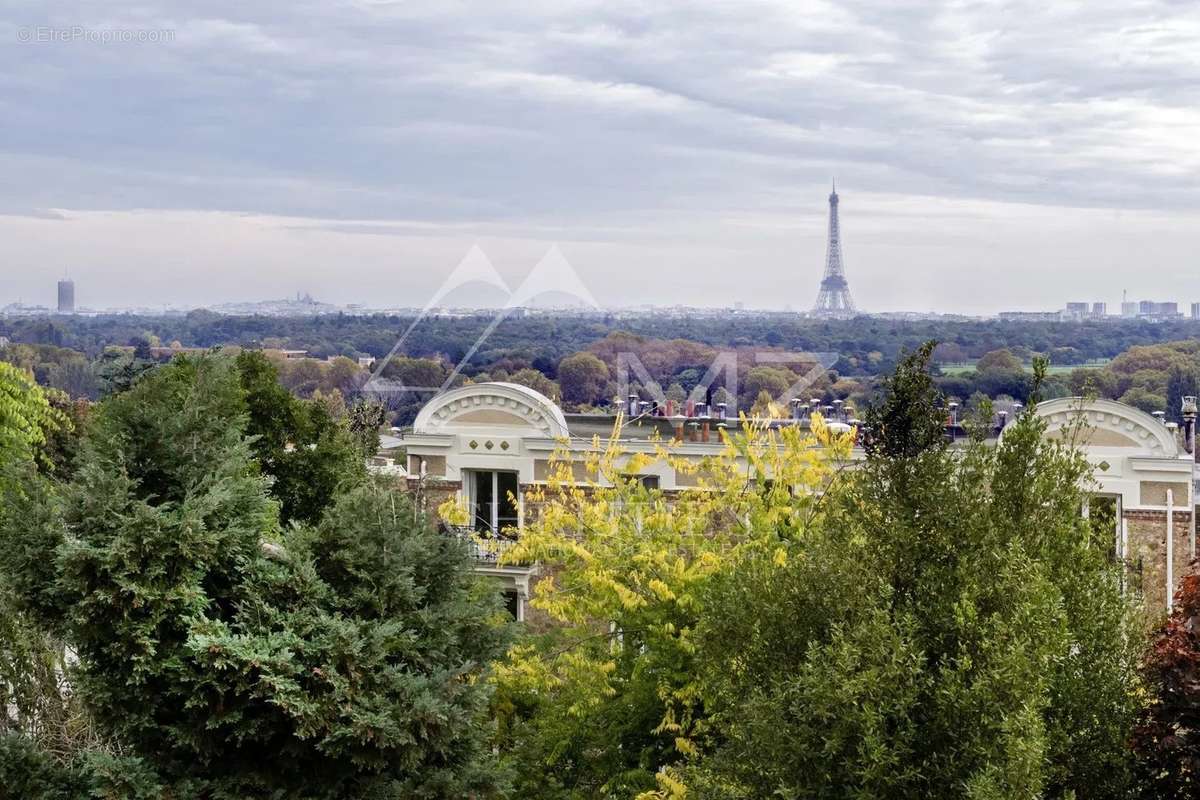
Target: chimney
pixel 1002 416
pixel 797 405
pixel 677 423
pixel 1188 412
pixel 670 407
pixel 633 405
pixel 1160 416
pixel 721 410
pixel 704 429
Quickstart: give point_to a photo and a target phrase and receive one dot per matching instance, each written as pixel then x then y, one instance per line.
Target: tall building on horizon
pixel 66 296
pixel 833 299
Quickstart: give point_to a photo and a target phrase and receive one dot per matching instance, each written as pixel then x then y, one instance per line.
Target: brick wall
pixel 1147 553
pixel 431 492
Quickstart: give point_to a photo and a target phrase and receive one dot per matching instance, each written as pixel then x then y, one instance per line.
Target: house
pixel 486 443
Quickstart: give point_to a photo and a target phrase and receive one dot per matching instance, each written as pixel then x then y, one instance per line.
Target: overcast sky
pixel 989 155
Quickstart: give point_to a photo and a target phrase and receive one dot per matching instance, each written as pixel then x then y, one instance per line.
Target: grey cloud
pixel 599 119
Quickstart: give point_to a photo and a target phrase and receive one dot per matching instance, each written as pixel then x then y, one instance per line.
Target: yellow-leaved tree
pixel 601 699
pixel 25 416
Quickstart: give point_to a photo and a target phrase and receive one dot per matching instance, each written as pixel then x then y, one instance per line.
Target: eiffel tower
pixel 834 301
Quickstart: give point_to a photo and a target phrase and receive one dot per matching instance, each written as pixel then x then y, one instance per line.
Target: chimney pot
pixel 1188 407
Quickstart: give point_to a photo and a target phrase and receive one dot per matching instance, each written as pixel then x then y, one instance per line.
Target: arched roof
pixel 496 405
pixel 1110 424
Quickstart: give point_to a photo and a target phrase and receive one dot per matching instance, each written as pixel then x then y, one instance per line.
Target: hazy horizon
pixel 676 155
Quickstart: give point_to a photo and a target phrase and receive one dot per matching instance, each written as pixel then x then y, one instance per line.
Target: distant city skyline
pixel 304 303
pixel 678 153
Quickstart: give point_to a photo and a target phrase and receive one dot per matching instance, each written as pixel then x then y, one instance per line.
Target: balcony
pixel 485 548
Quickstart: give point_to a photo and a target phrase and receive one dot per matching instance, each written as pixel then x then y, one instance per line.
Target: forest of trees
pixel 866 346
pixel 192 609
pixel 575 360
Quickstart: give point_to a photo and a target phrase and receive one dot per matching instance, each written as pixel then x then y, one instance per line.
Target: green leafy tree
pixel 998 360
pixel 535 380
pixel 1144 399
pixel 953 629
pixel 772 380
pixel 582 377
pixel 119 369
pixel 307 452
pixel 420 372
pixel 229 657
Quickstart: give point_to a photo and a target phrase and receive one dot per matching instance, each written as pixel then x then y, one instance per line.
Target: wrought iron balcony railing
pixel 485 548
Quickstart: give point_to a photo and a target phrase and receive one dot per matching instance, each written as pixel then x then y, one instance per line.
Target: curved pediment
pixel 501 406
pixel 1108 423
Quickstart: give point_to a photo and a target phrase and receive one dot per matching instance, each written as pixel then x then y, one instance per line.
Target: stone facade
pixel 513 432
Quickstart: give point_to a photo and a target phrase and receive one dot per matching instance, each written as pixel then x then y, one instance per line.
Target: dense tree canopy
pixel 227 656
pixel 308 453
pixel 940 622
pixel 606 698
pixel 954 629
pixel 96 356
pixel 583 378
pixel 1167 737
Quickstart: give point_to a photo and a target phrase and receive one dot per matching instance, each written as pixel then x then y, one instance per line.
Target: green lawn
pixel 1055 369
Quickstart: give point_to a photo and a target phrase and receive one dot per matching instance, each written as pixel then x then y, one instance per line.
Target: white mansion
pixel 488 442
